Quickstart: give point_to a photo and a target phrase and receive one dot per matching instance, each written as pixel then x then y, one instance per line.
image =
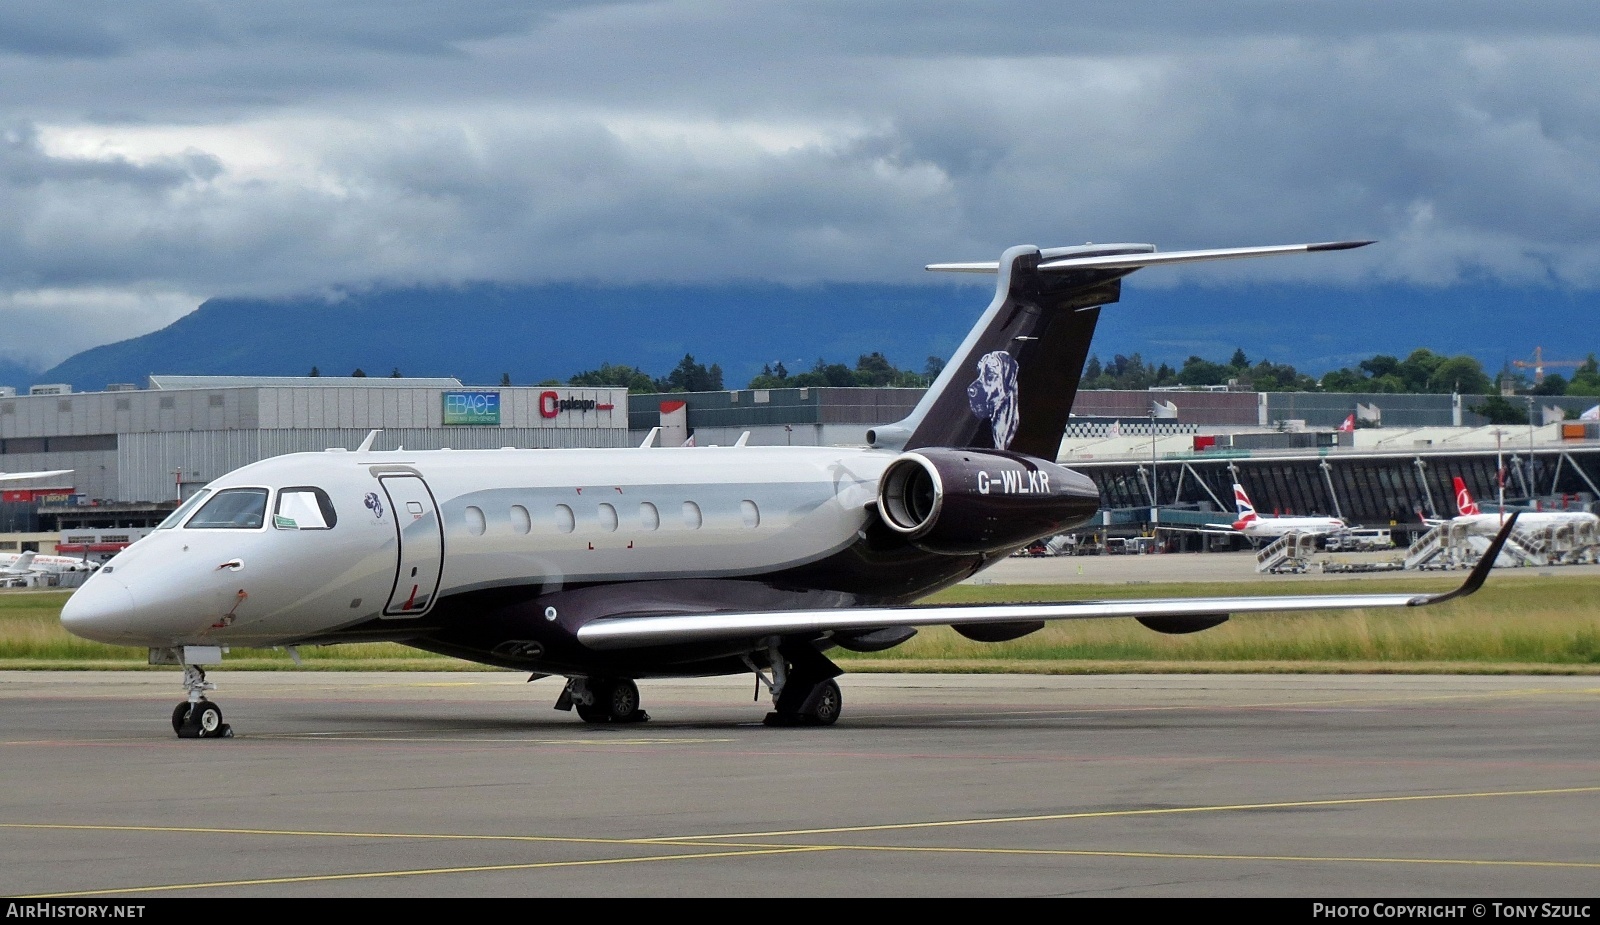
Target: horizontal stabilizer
pixel 1150 258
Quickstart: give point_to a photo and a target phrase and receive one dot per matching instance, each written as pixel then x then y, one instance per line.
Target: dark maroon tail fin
pixel 1011 384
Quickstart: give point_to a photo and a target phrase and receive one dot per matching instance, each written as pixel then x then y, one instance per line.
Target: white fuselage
pixel 1489 524
pixel 412 527
pixel 1262 527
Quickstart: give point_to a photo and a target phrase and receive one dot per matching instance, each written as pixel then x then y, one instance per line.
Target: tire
pixel 822 708
pixel 594 714
pixel 179 714
pixel 621 701
pixel 207 718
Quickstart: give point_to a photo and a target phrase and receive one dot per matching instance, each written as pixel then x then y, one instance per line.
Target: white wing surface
pixel 628 632
pixel 18 476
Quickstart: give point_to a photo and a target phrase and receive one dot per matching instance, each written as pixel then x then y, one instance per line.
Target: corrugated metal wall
pixel 149 463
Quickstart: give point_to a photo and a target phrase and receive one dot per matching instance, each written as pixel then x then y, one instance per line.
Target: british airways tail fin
pixel 1242 506
pixel 1011 384
pixel 1464 503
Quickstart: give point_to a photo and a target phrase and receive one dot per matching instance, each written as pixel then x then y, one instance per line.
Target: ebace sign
pixel 472 408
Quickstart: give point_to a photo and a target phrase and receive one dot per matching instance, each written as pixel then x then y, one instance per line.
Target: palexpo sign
pixel 482 406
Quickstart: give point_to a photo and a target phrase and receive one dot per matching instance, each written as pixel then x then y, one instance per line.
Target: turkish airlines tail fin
pixel 1464 503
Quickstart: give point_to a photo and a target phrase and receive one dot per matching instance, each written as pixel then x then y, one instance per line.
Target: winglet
pixel 1480 572
pixel 650 438
pixel 366 445
pixel 744 439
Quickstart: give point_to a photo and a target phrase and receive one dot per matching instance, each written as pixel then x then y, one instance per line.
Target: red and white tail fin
pixel 1464 503
pixel 1242 506
pixel 1348 425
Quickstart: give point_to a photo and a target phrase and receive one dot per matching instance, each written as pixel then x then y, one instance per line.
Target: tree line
pixel 1421 372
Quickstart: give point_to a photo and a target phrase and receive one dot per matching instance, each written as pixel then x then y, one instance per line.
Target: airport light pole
pixel 1527 470
pixel 1155 497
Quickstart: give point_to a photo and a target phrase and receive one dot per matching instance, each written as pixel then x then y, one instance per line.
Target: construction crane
pixel 1539 363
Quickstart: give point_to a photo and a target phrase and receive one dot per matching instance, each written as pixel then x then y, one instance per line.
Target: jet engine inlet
pixel 911 495
pixel 961 501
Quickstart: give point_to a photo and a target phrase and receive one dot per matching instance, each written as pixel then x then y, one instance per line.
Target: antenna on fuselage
pixel 372 436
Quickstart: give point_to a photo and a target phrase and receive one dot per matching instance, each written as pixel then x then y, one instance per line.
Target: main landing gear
pixel 803 690
pixel 603 700
pixel 197 717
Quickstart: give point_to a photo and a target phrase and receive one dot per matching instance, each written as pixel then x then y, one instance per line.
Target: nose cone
pixel 102 609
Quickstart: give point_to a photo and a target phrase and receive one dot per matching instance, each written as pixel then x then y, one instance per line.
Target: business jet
pixel 36 562
pixel 608 566
pixel 30 569
pixel 1468 512
pixel 1254 526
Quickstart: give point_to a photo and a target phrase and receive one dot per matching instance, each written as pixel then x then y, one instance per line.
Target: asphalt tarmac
pixel 470 785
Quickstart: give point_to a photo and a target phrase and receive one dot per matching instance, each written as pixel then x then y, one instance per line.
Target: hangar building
pixel 135 451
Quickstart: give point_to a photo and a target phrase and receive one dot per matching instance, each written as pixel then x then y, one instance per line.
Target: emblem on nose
pixel 374 504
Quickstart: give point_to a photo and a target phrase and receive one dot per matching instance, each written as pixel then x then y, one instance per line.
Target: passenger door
pixel 421 554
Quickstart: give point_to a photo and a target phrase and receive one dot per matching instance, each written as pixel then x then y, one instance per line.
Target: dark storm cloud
pixel 194 148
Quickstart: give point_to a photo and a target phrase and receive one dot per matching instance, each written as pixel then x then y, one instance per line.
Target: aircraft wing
pixel 1153 258
pixel 17 476
pixel 674 629
pixel 1220 528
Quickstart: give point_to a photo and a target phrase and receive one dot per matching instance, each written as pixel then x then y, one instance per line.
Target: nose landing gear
pixel 197 717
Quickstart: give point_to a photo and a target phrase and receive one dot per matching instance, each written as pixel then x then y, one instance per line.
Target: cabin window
pixel 520 521
pixel 752 514
pixel 649 517
pixel 691 515
pixel 304 508
pixel 232 509
pixel 608 518
pixel 476 523
pixel 565 522
pixel 184 510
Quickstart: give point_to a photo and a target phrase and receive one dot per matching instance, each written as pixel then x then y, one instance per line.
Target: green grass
pixel 1513 620
pixel 1514 624
pixel 31 637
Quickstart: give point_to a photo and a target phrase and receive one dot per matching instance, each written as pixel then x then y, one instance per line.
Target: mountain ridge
pixel 479 332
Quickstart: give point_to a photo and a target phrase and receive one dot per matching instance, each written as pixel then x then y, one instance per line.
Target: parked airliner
pixel 1255 526
pixel 1468 512
pixel 607 566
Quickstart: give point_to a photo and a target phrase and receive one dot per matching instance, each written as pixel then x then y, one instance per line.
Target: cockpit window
pixel 183 510
pixel 233 509
pixel 304 508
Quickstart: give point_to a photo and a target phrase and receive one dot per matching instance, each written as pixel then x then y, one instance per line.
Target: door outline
pixel 403 600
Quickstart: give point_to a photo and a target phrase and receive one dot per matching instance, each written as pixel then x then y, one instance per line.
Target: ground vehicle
pixel 1360 541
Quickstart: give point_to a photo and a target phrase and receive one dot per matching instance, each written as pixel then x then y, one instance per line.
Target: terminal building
pixel 1163 459
pixel 1167 459
pixel 135 452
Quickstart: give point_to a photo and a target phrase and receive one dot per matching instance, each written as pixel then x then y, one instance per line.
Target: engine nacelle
pixel 958 501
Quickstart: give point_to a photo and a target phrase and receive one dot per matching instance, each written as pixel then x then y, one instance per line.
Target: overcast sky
pixel 153 154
